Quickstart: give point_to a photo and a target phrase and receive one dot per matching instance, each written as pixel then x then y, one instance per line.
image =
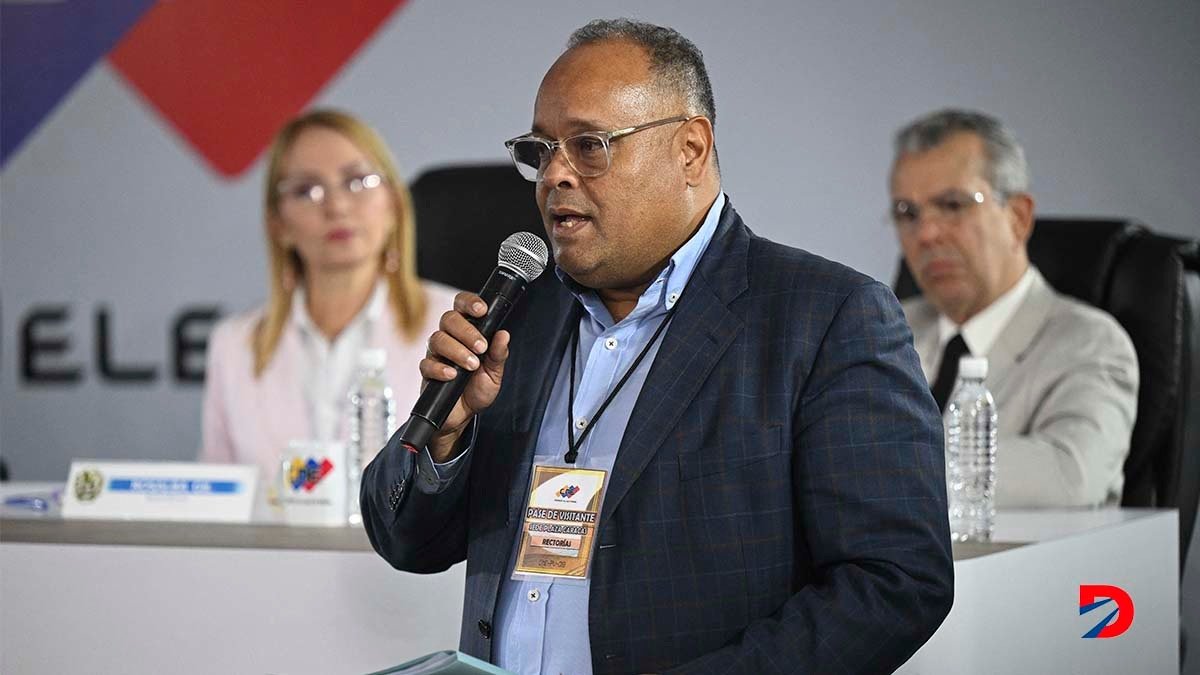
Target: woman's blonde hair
pixel 398 260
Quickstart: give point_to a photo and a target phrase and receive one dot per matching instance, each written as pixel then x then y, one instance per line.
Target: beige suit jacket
pixel 1064 376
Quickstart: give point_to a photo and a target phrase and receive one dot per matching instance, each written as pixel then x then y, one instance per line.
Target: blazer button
pixel 485 629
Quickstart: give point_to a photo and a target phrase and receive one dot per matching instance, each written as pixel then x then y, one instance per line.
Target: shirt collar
pixel 664 291
pixel 372 311
pixel 981 331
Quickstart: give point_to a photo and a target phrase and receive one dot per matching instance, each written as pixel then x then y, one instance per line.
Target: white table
pixel 124 597
pixel 1017 610
pixel 149 597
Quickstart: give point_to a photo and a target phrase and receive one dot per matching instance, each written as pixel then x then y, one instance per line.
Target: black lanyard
pixel 573 444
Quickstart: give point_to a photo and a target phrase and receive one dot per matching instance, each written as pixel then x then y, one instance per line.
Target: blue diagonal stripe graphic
pixel 1100 626
pixel 45 49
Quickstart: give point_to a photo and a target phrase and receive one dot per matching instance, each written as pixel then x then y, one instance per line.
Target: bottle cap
pixel 375 359
pixel 973 367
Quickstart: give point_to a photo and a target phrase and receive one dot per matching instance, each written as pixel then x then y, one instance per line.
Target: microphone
pixel 522 258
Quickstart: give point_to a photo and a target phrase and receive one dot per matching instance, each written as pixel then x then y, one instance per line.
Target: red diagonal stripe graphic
pixel 228 73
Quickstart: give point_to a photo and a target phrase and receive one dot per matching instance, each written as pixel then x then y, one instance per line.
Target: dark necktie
pixel 955 349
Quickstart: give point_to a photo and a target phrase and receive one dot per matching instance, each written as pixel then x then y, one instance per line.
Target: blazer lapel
pixel 1018 336
pixel 534 370
pixel 700 332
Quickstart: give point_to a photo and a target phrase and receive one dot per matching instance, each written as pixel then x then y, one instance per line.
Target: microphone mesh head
pixel 525 254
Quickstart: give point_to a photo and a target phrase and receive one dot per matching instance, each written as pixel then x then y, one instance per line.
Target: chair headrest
pixel 463 213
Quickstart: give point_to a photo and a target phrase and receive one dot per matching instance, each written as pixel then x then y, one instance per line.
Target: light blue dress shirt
pixel 541 624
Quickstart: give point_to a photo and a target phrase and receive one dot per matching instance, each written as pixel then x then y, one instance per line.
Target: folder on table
pixel 445 663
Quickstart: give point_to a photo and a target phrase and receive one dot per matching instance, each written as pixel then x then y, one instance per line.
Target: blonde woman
pixel 341 244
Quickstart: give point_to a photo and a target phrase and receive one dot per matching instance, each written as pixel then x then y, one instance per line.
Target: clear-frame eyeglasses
pixel 314 193
pixel 589 154
pixel 948 207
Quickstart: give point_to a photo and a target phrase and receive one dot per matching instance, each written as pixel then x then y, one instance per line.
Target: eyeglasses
pixel 948 207
pixel 314 193
pixel 588 154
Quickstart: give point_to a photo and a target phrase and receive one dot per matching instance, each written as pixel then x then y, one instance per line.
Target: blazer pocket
pixel 727 454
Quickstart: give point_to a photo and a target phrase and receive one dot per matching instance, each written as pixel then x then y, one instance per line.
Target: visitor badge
pixel 562 517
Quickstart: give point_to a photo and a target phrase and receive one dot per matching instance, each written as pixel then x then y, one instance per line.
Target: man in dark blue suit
pixel 773 495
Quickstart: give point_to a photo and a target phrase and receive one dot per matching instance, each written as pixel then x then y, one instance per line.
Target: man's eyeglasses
pixel 314 193
pixel 945 208
pixel 589 154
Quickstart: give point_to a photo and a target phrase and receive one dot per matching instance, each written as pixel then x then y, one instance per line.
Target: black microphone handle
pixel 502 290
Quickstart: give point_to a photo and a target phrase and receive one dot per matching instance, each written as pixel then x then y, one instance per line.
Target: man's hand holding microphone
pixel 464 364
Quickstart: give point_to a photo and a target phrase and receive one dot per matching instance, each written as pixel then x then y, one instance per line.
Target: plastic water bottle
pixel 372 412
pixel 970 421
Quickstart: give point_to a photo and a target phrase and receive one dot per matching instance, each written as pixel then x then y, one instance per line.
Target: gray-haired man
pixel 1064 374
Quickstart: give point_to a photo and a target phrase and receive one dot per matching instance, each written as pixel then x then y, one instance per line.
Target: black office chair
pixel 1151 285
pixel 463 213
pixel 1155 295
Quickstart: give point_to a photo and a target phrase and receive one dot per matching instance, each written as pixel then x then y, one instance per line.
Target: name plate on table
pixel 181 491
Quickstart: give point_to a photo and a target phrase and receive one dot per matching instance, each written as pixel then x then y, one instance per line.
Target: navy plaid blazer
pixel 778 502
